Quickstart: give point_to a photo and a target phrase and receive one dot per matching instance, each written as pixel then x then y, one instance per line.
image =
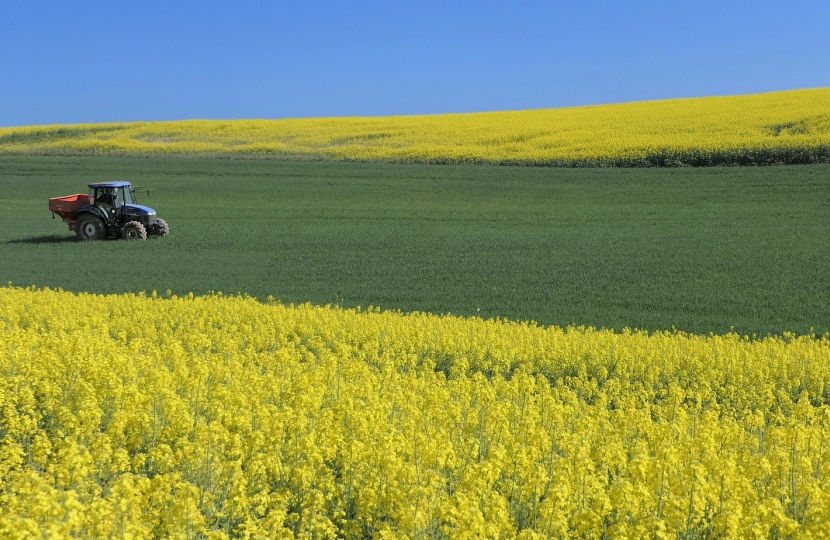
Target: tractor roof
pixel 109 184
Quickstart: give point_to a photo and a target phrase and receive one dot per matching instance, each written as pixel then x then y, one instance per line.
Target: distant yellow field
pixel 779 127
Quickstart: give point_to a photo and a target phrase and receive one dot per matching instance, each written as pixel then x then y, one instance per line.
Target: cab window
pixel 128 196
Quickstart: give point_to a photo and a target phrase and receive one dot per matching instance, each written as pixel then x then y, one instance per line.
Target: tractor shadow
pixel 46 239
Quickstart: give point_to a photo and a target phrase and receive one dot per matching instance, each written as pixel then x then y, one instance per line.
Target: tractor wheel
pixel 161 227
pixel 134 231
pixel 90 227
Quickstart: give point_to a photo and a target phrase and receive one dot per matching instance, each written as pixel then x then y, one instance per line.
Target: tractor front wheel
pixel 90 227
pixel 160 228
pixel 134 231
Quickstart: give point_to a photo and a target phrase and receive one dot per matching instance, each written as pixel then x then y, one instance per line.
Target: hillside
pixel 773 128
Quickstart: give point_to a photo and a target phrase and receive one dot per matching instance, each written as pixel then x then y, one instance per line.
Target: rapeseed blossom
pixel 136 415
pixel 778 127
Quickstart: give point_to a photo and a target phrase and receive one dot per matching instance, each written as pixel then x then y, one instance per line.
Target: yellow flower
pixel 224 417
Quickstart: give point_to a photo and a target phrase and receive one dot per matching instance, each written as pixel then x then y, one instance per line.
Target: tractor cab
pixel 111 200
pixel 117 200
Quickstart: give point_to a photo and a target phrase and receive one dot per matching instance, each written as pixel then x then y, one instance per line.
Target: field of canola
pixel 185 417
pixel 780 127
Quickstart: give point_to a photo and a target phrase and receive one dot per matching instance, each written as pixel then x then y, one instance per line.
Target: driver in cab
pixel 108 201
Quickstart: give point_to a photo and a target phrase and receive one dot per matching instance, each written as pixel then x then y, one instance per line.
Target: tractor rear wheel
pixel 160 228
pixel 134 231
pixel 90 227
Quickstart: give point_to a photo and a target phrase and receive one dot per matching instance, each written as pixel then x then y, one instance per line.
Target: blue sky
pixel 73 62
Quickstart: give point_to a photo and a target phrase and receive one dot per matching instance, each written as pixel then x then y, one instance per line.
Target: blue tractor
pixel 109 211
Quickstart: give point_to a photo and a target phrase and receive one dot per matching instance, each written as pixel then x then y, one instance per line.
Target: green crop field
pixel 700 249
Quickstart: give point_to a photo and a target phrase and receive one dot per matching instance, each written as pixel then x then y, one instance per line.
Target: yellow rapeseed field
pixel 183 417
pixel 779 127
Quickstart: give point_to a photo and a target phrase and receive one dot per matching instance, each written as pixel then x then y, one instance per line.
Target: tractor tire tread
pixel 82 231
pixel 161 228
pixel 134 231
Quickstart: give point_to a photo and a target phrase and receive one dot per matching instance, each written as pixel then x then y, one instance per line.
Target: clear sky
pixel 95 61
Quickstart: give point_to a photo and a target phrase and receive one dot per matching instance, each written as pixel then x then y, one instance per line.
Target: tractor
pixel 109 211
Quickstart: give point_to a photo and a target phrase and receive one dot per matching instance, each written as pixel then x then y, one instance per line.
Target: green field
pixel 700 249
